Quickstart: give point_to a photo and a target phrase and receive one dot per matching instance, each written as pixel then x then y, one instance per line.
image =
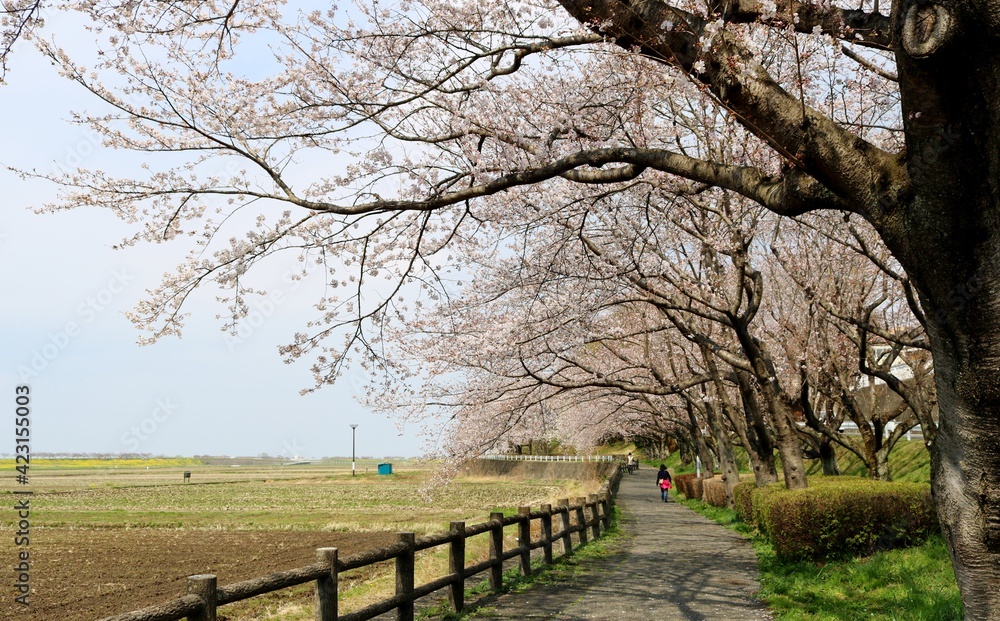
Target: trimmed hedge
pixel 682 483
pixel 697 486
pixel 839 516
pixel 743 497
pixel 715 491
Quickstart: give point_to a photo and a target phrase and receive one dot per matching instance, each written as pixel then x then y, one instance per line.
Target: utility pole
pixel 353 435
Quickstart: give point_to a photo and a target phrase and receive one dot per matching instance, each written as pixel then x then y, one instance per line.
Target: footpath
pixel 672 565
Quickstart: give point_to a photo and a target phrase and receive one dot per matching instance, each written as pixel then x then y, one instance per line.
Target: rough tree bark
pixel 698 441
pixel 782 419
pixel 718 416
pixel 946 233
pixel 758 433
pixel 824 446
pixel 727 458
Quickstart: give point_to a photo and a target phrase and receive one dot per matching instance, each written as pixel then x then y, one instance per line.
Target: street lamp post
pixel 353 435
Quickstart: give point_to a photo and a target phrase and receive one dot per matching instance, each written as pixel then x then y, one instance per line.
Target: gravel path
pixel 674 565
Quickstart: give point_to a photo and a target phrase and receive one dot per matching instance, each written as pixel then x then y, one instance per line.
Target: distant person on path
pixel 630 464
pixel 664 482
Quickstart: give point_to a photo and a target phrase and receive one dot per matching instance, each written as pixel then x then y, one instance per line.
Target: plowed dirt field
pixel 86 574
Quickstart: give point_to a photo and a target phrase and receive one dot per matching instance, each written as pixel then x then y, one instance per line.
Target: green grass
pixel 909 462
pixel 914 584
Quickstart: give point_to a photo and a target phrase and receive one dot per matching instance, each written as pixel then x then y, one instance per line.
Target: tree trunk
pixel 828 456
pixel 965 472
pixel 686 449
pixel 727 458
pixel 789 445
pixel 701 447
pixel 825 448
pixel 874 452
pixel 881 471
pixel 947 237
pixel 758 444
pixel 763 467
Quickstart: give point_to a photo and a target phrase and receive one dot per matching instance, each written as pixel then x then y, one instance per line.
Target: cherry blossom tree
pixel 463 113
pixel 534 332
pixel 847 337
pixel 18 20
pixel 612 298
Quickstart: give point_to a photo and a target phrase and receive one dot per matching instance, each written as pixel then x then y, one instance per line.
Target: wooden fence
pixel 586 517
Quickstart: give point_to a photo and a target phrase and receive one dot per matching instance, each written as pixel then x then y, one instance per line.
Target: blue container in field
pixel 385 468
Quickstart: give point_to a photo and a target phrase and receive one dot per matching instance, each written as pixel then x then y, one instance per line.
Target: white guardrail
pixel 851 429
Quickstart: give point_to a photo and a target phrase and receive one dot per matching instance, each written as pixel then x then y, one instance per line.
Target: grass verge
pixel 909 462
pixel 914 584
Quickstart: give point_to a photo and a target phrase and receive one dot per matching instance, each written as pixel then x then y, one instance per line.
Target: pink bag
pixel 665 484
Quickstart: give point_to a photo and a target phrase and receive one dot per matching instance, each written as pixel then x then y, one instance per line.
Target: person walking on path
pixel 664 483
pixel 670 564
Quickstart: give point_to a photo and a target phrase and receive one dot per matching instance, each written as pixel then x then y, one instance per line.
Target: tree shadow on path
pixel 671 565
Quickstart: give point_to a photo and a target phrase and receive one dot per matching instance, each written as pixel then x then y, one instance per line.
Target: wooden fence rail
pixel 591 515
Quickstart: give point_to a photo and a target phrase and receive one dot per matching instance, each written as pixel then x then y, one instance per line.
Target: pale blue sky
pixel 94 389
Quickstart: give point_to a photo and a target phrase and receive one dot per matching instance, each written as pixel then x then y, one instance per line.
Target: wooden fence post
pixel 581 519
pixel 524 539
pixel 326 587
pixel 606 509
pixel 456 566
pixel 496 552
pixel 547 533
pixel 595 514
pixel 405 567
pixel 204 586
pixel 567 542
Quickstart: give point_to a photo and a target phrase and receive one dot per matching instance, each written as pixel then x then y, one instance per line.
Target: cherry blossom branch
pixel 19 18
pixel 626 387
pixel 849 166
